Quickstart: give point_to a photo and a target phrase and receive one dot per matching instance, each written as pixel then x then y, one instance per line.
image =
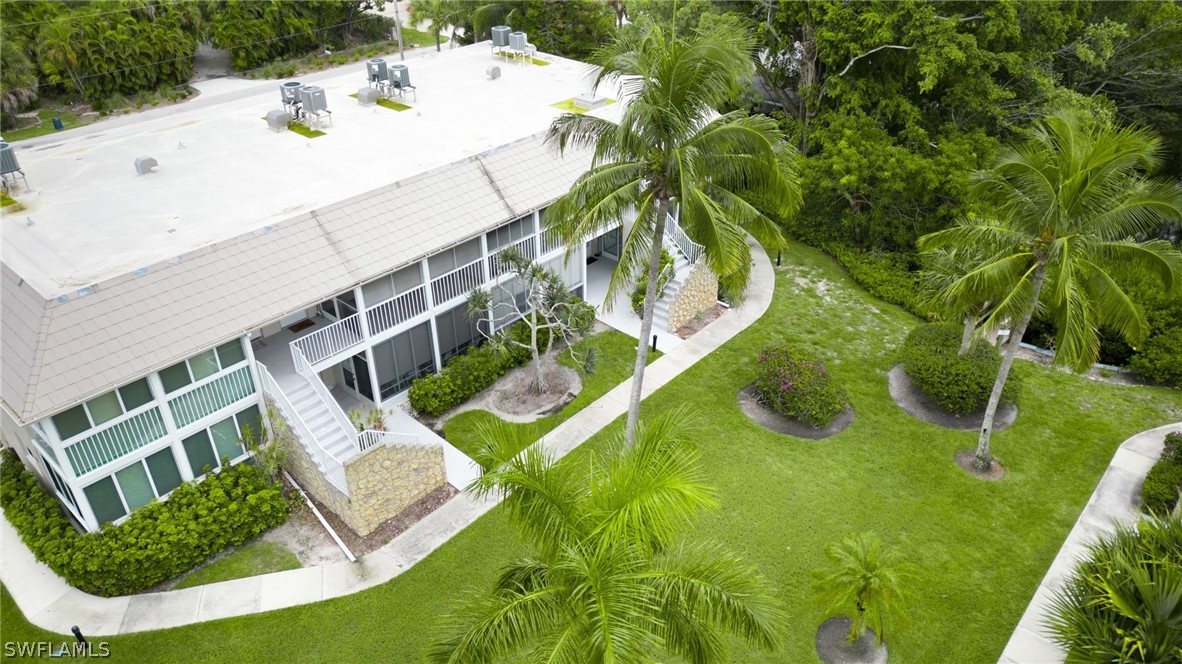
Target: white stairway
pixel 681 270
pixel 321 423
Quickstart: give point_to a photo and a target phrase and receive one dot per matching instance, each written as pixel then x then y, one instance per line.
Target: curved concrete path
pixel 50 603
pixel 1115 500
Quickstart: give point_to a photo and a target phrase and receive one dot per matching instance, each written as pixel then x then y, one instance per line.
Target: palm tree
pixel 18 81
pixel 1123 603
pixel 868 579
pixel 1065 210
pixel 726 173
pixel 608 579
pixel 942 268
pixel 439 13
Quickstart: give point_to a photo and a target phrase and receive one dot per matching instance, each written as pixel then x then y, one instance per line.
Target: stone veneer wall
pixel 382 482
pixel 697 294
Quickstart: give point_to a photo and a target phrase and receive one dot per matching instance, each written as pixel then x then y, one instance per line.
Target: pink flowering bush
pixel 796 385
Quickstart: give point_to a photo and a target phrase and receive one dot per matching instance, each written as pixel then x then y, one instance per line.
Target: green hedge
pixel 796 385
pixel 885 276
pixel 959 383
pixel 156 543
pixel 1159 494
pixel 467 374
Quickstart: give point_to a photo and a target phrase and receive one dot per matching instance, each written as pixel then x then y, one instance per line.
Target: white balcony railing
pixel 372 438
pixel 551 240
pixel 459 281
pixel 205 398
pixel 114 441
pixel 673 233
pixel 331 339
pixel 397 310
pixel 497 267
pixel 332 467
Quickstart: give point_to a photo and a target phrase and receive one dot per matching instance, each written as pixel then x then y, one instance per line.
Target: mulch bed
pixel 917 404
pixel 965 459
pixel 769 419
pixel 698 322
pixel 832 647
pixel 391 527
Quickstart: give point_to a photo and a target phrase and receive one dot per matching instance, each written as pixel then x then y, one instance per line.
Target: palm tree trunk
pixel 646 319
pixel 966 339
pixel 984 459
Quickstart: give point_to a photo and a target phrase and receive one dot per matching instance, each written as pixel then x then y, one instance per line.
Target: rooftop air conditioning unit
pixel 289 92
pixel 8 162
pixel 517 41
pixel 376 69
pixel 500 35
pixel 400 76
pixel 313 99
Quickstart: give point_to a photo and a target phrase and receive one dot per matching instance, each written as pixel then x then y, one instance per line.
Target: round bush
pixel 796 385
pixel 959 383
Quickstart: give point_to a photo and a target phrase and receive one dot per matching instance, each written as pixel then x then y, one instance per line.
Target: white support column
pixel 258 385
pixel 359 297
pixel 170 427
pixel 51 436
pixel 537 234
pixel 484 271
pixel 425 270
pixel 373 376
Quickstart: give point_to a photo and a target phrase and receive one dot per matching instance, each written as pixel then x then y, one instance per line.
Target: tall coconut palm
pixel 608 579
pixel 1065 210
pixel 726 174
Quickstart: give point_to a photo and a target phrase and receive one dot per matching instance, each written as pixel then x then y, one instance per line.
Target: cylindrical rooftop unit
pixel 8 162
pixel 500 35
pixel 399 75
pixel 290 91
pixel 517 41
pixel 313 98
pixel 376 69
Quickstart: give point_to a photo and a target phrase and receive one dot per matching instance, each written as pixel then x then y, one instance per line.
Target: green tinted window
pixel 175 377
pixel 70 423
pixel 225 439
pixel 203 365
pixel 200 453
pixel 104 408
pixel 135 394
pixel 104 500
pixel 165 475
pixel 250 418
pixel 134 482
pixel 231 353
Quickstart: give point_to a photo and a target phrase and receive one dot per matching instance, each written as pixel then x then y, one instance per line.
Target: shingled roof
pixel 57 352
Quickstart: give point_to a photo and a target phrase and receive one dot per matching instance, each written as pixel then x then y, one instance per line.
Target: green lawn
pixel 69 121
pixel 615 358
pixel 982 547
pixel 255 558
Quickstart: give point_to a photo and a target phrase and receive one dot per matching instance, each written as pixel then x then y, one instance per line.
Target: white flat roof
pixel 222 172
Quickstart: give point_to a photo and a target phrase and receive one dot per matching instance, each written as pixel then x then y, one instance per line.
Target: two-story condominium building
pixel 148 317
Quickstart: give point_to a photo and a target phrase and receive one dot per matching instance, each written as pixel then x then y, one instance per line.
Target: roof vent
pixel 144 165
pixel 277 120
pixel 493 72
pixel 376 70
pixel 500 35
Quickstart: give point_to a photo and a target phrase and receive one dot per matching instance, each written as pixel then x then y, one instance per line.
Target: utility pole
pixel 398 31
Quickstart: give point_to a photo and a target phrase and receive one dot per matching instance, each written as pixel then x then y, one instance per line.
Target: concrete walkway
pixel 50 603
pixel 1115 500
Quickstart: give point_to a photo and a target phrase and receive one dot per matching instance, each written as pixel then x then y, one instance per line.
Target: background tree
pixel 18 82
pixel 727 174
pixel 570 28
pixel 867 580
pixel 541 300
pixel 1123 602
pixel 608 578
pixel 1065 208
pixel 439 14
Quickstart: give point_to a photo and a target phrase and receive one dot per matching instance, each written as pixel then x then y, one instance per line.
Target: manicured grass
pixel 302 129
pixel 981 547
pixel 7 201
pixel 251 560
pixel 569 106
pixel 615 358
pixel 388 103
pixel 70 120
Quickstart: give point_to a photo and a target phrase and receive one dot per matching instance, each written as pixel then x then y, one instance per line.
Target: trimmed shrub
pixel 794 384
pixel 1172 449
pixel 958 383
pixel 156 543
pixel 1160 358
pixel 885 276
pixel 1159 494
pixel 467 374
